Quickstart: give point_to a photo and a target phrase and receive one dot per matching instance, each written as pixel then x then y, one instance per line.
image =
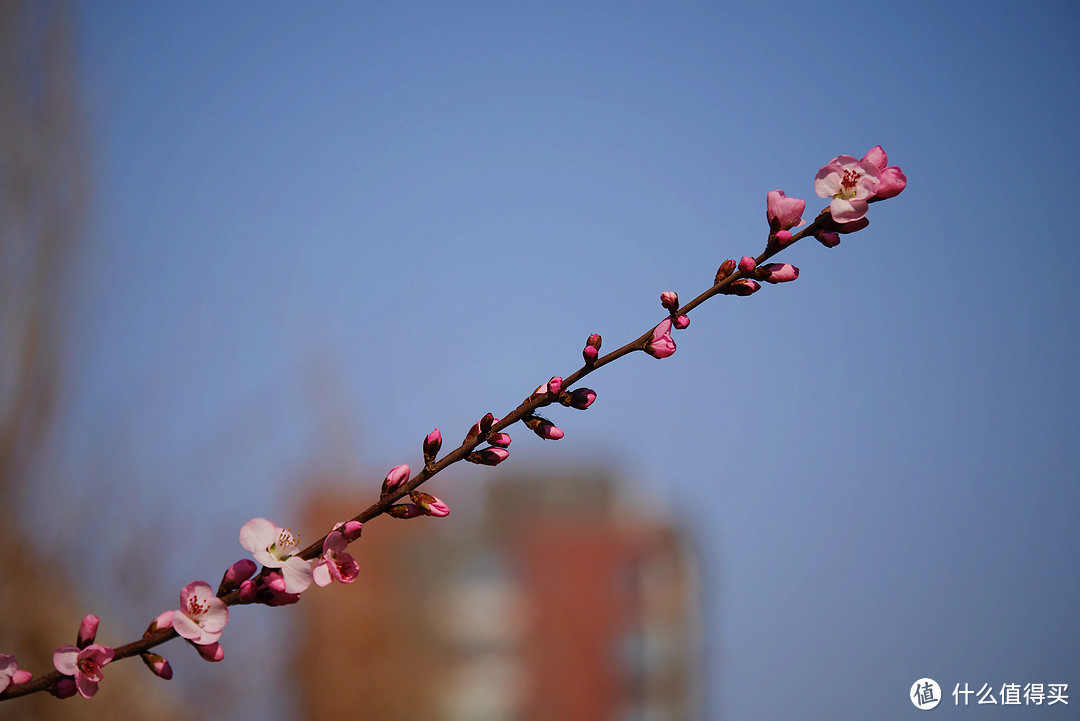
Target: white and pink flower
pixel 10 673
pixel 661 345
pixel 335 564
pixel 274 547
pixel 85 665
pixel 850 183
pixel 202 616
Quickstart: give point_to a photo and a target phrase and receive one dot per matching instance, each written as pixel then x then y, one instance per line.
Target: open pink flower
pixel 661 345
pixel 335 564
pixel 202 615
pixel 850 183
pixel 10 673
pixel 273 547
pixel 84 665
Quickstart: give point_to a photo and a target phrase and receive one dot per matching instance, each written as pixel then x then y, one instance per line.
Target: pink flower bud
pixel 213 652
pixel 396 476
pixel 746 265
pixel 592 349
pixel 670 300
pixel 405 510
pixel 158 665
pixel 777 272
pixel 236 574
pixel 726 269
pixel 543 428
pixel 783 212
pixel 64 688
pixel 741 286
pixel 828 239
pixel 782 237
pixel 487 422
pixel 580 398
pixel 681 321
pixel 432 444
pixel 661 345
pixel 502 440
pixel 87 631
pixel 163 620
pixel 248 591
pixel 488 456
pixel 892 183
pixel 429 504
pixel 350 530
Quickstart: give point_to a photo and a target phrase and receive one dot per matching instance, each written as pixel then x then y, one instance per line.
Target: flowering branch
pixel 287 570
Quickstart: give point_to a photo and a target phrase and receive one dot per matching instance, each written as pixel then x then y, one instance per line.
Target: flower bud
pixel 580 398
pixel 64 688
pixel 163 620
pixel 158 665
pixel 87 631
pixel 236 574
pixel 350 530
pixel 827 238
pixel 592 349
pixel 432 444
pixel 404 510
pixel 502 440
pixel 248 591
pixel 681 321
pixel 777 272
pixel 396 476
pixel 781 238
pixel 429 504
pixel 746 265
pixel 487 422
pixel 213 652
pixel 488 456
pixel 661 345
pixel 670 300
pixel 741 286
pixel 726 269
pixel 543 428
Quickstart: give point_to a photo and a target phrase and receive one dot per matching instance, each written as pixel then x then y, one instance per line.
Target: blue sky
pixel 319 232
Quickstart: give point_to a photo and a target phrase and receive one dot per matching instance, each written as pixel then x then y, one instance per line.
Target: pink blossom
pixel 157 665
pixel 274 547
pixel 432 444
pixel 850 183
pixel 85 665
pixel 670 300
pixel 892 180
pixel 202 615
pixel 335 564
pixel 661 345
pixel 783 212
pixel 777 272
pixel 488 456
pixel 429 504
pixel 10 673
pixel 87 631
pixel 396 476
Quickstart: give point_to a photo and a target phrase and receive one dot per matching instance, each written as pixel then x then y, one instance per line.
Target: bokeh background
pixel 249 245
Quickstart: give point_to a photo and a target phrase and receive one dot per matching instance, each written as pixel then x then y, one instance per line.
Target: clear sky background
pixel 317 232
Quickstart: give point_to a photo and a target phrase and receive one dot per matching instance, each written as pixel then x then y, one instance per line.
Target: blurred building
pixel 557 604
